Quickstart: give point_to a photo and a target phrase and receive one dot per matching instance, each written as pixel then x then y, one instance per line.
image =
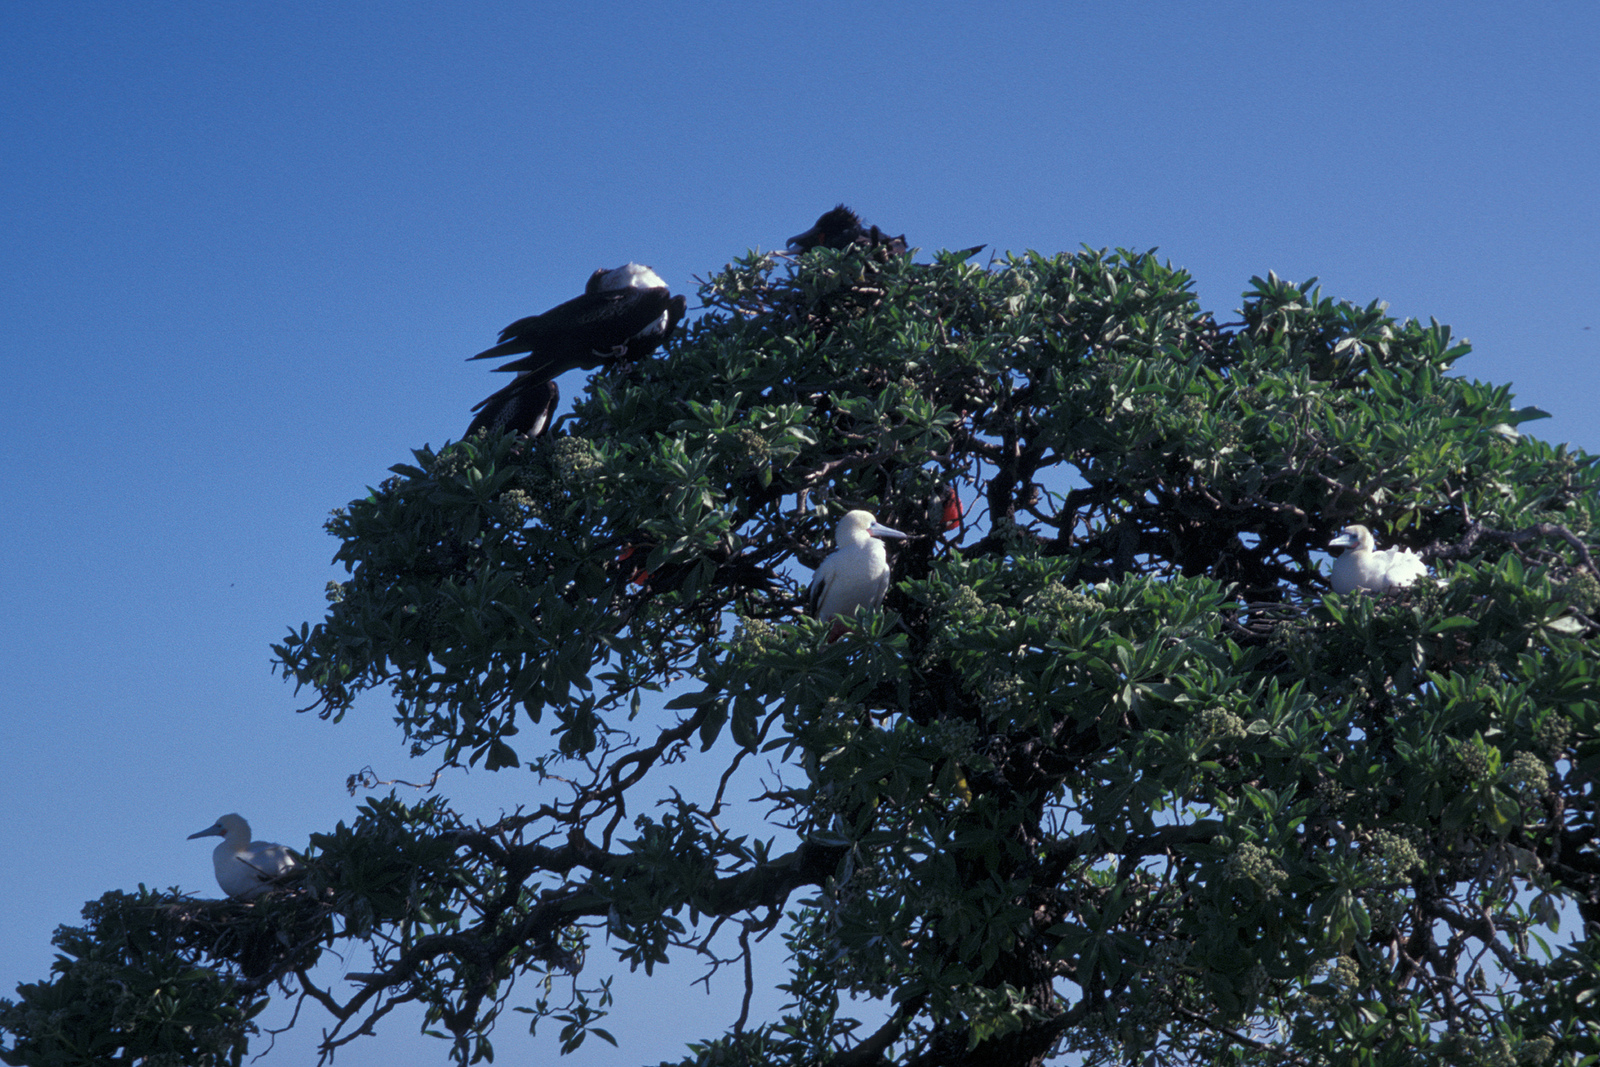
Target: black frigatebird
pixel 840 228
pixel 623 314
pixel 526 406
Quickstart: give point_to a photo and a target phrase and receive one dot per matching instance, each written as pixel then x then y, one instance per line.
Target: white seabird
pixel 1360 567
pixel 855 575
pixel 245 868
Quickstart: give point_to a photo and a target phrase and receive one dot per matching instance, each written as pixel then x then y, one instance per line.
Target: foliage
pixel 132 987
pixel 1111 774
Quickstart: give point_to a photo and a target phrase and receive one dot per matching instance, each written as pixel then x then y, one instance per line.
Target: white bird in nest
pixel 245 868
pixel 855 575
pixel 1360 566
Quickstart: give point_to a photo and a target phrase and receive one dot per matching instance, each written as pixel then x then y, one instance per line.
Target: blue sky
pixel 247 249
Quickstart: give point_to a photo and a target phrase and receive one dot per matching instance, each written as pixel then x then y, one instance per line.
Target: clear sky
pixel 246 250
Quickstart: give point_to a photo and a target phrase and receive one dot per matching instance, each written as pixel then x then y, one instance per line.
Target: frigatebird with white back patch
pixel 623 314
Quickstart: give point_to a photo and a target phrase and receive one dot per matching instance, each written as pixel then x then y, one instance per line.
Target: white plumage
pixel 856 573
pixel 245 868
pixel 1361 567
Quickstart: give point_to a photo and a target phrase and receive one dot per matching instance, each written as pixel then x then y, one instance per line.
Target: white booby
pixel 855 575
pixel 623 314
pixel 245 868
pixel 839 229
pixel 1360 567
pixel 526 406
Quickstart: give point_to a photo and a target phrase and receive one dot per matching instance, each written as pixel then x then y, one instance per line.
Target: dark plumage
pixel 841 228
pixel 526 406
pixel 623 314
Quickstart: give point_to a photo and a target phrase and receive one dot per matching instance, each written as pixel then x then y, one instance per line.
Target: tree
pixel 1112 772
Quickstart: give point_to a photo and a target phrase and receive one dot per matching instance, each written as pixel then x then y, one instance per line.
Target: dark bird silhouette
pixel 840 228
pixel 623 314
pixel 526 406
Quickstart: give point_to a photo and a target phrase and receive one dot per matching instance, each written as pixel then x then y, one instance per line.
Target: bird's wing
pixel 622 312
pixel 818 592
pixel 525 406
pixel 599 335
pixel 630 310
pixel 527 333
pixel 676 308
pixel 1401 567
pixel 267 860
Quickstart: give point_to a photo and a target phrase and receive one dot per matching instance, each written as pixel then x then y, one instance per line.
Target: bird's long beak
pixel 877 529
pixel 210 831
pixel 799 237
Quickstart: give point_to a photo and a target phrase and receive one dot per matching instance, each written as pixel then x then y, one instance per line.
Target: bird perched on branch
pixel 1360 567
pixel 623 315
pixel 855 575
pixel 839 229
pixel 945 511
pixel 526 406
pixel 245 868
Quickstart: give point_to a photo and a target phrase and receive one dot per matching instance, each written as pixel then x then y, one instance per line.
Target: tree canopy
pixel 1112 777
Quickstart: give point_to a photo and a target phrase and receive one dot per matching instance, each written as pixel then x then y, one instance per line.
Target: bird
pixel 525 406
pixel 855 575
pixel 1360 567
pixel 245 868
pixel 945 511
pixel 839 229
pixel 623 314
